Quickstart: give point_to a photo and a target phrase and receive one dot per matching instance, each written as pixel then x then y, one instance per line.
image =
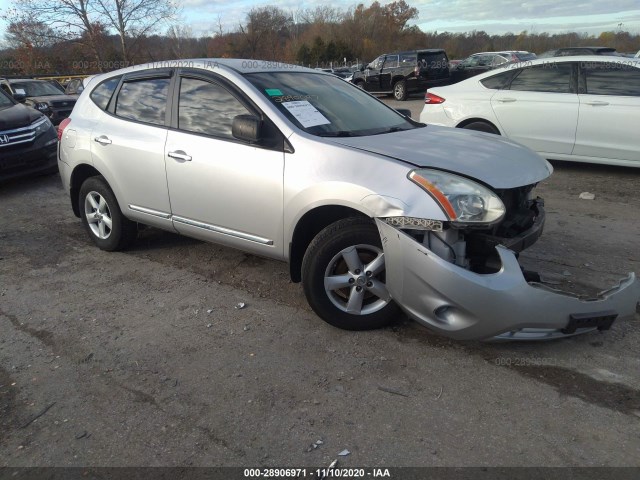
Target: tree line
pixel 91 36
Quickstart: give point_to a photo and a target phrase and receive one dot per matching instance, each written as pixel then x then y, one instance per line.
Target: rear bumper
pixel 465 305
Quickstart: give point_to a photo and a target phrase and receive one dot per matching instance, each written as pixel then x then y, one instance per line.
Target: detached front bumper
pixel 501 306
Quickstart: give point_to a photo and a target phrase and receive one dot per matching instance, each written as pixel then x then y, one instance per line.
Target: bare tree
pixel 66 19
pixel 133 19
pixel 266 30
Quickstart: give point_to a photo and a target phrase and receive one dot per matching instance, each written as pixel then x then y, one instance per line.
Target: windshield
pixel 35 89
pixel 5 102
pixel 327 106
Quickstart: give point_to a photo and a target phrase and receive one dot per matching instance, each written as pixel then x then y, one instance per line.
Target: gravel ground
pixel 141 358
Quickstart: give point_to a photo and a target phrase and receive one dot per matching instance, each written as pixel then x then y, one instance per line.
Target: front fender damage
pixel 465 305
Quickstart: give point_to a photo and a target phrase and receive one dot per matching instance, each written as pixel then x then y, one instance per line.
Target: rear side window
pixel 551 78
pixel 433 60
pixel 143 100
pixel 498 82
pixel 612 79
pixel 103 92
pixel 206 107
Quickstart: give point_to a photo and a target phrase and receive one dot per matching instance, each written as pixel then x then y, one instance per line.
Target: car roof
pixel 631 62
pixel 238 65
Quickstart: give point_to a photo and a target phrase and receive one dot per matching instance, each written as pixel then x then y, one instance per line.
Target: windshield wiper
pixel 392 130
pixel 339 133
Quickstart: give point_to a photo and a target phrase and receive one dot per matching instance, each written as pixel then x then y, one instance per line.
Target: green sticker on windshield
pixel 273 92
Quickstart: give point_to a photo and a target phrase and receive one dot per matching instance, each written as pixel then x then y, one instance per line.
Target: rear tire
pixel 101 216
pixel 482 127
pixel 400 90
pixel 343 276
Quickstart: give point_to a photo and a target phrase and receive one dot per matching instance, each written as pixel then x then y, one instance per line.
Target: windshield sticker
pixel 21 91
pixel 273 92
pixel 305 113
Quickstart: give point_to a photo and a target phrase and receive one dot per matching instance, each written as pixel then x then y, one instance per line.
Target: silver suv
pixel 373 211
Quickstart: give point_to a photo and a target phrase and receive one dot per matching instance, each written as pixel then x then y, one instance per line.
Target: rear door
pixel 609 110
pixel 127 145
pixel 540 107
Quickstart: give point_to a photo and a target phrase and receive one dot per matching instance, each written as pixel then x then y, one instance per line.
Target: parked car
pixel 41 95
pixel 75 86
pixel 573 51
pixel 374 212
pixel 482 62
pixel 570 108
pixel 403 73
pixel 28 140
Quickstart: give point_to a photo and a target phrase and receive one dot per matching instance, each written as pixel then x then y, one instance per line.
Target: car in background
pixel 573 51
pixel 298 165
pixel 482 62
pixel 41 95
pixel 568 108
pixel 403 73
pixel 75 86
pixel 28 140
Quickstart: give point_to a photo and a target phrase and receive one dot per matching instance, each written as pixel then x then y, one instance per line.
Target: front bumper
pixel 465 305
pixel 23 160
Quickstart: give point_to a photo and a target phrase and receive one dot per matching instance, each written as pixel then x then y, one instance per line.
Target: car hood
pixel 17 116
pixel 53 98
pixel 492 159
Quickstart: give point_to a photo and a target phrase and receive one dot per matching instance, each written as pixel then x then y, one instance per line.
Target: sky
pixel 494 17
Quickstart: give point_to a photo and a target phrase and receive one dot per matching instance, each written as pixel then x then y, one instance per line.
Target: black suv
pixel 42 96
pixel 571 51
pixel 403 73
pixel 28 140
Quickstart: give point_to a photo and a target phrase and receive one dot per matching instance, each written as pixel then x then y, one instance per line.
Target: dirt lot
pixel 141 358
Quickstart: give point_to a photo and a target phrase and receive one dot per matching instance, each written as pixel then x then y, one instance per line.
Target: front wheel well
pixel 308 227
pixel 79 175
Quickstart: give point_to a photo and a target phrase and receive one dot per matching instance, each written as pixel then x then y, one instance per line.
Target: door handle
pixel 506 100
pixel 597 103
pixel 180 155
pixel 102 140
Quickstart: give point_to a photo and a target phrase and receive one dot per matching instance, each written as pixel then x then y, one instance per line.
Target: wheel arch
pixel 309 225
pixel 79 175
pixel 468 121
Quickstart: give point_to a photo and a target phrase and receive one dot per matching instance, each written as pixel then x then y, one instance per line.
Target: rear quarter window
pixel 104 91
pixel 499 81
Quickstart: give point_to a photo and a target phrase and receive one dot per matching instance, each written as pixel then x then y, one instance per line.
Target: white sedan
pixel 584 108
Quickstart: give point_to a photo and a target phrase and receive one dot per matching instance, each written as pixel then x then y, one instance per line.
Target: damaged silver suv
pixel 374 212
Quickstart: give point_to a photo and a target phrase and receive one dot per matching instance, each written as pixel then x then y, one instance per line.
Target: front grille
pixel 62 103
pixel 18 136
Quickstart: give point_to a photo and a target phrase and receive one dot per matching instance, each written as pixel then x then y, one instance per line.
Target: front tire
pixel 343 276
pixel 109 229
pixel 400 90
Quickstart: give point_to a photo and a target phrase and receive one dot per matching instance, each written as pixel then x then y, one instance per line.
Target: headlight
pixel 462 200
pixel 41 106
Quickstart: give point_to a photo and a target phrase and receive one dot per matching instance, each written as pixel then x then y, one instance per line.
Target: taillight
pixel 432 99
pixel 62 126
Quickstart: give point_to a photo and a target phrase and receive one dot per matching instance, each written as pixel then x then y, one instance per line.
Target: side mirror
pixel 404 111
pixel 247 128
pixel 20 97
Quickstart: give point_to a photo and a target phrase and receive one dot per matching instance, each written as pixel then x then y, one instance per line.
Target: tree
pixel 266 31
pixel 86 21
pixel 133 19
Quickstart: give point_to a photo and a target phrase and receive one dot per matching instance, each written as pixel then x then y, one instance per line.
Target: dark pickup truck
pixel 403 73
